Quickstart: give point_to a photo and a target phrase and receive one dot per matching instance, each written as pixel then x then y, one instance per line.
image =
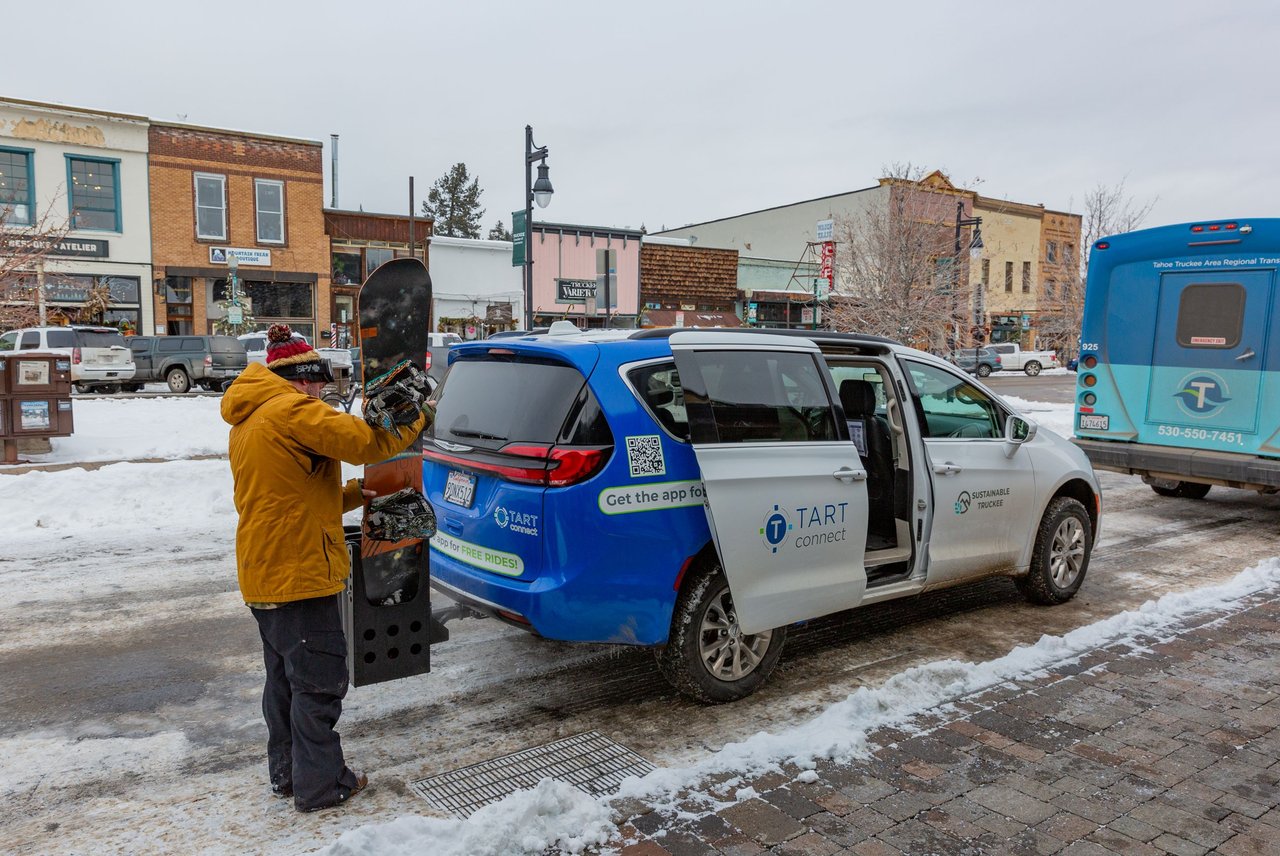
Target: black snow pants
pixel 306 659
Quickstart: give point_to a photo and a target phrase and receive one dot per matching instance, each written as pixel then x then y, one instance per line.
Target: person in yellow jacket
pixel 291 557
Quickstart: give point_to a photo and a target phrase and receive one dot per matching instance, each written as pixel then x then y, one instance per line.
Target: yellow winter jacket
pixel 285 453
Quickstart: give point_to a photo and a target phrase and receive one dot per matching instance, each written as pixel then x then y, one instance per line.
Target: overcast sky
pixel 668 113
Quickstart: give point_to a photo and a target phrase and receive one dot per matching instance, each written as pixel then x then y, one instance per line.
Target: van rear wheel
pixel 984 370
pixel 707 657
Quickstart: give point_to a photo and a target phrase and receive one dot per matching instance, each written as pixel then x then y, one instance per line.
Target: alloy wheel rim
pixel 726 652
pixel 1066 553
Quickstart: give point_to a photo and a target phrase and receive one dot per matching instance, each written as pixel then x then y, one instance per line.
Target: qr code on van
pixel 644 454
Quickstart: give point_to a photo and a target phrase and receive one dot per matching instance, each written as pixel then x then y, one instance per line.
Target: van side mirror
pixel 1016 432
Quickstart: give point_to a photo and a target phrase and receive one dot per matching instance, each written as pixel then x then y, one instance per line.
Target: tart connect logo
pixel 1202 394
pixel 776 526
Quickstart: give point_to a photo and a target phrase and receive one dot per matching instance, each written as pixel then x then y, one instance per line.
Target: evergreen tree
pixel 454 203
pixel 500 232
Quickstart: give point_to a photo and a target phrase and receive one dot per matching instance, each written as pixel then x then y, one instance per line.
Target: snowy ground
pixel 130 713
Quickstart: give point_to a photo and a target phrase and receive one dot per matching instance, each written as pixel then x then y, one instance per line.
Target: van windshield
pixel 490 403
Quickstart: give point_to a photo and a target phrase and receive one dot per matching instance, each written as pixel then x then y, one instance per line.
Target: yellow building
pixel 1025 266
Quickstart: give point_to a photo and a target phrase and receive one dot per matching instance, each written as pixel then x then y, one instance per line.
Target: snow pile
pixel 128 429
pixel 145 498
pixel 60 762
pixel 553 814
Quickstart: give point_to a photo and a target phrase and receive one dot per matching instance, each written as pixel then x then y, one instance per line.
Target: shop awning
pixel 706 318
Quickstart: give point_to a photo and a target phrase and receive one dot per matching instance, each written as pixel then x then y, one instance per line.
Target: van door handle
pixel 1248 352
pixel 848 476
pixel 946 468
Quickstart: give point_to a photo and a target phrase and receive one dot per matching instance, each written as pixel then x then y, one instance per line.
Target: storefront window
pixel 346 269
pixel 271 299
pixel 374 256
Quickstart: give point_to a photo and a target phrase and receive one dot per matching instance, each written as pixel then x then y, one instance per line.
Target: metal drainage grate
pixel 591 763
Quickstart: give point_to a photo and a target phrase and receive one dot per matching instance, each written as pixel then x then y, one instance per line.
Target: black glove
pixel 399 516
pixel 396 397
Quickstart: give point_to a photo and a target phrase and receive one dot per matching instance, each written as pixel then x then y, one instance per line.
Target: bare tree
pixel 1108 210
pixel 23 250
pixel 897 271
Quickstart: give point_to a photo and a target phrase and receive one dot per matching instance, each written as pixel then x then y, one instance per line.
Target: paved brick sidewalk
pixel 1168 749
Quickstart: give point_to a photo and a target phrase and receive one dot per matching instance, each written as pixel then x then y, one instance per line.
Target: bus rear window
pixel 1211 315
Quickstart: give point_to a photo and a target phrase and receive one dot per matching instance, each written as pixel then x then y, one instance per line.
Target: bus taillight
pixel 1090 361
pixel 1101 245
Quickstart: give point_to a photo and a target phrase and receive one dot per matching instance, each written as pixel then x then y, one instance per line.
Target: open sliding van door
pixel 786 491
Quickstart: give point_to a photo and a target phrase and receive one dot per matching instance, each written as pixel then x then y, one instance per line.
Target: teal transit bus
pixel 1179 373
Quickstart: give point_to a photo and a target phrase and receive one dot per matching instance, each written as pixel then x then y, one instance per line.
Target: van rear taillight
pixel 426 363
pixel 75 355
pixel 531 463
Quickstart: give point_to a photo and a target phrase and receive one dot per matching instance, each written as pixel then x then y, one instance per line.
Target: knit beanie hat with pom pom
pixel 289 356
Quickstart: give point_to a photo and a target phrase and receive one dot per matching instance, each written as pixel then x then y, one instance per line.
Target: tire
pixel 984 370
pixel 178 380
pixel 1060 559
pixel 1032 368
pixel 1184 490
pixel 704 615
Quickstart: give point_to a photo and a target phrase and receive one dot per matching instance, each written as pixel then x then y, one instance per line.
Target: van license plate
pixel 460 488
pixel 1093 422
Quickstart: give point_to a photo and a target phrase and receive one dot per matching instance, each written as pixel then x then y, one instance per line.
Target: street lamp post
pixel 534 191
pixel 975 248
pixel 235 315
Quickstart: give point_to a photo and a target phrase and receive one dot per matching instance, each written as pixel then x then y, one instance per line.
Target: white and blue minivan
pixel 700 491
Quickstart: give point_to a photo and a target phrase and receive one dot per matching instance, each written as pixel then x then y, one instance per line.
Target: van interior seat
pixel 858 398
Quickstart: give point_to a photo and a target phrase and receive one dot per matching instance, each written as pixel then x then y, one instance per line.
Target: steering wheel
pixel 968 431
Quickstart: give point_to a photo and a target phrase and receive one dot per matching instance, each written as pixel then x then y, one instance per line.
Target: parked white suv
pixel 100 356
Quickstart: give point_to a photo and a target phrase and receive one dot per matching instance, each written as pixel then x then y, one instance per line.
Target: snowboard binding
pixel 396 397
pixel 400 516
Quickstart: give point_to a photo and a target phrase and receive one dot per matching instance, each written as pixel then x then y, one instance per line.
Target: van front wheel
pixel 1061 556
pixel 707 657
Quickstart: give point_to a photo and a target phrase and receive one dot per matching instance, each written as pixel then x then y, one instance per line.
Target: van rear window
pixel 227 345
pixel 1210 315
pixel 489 403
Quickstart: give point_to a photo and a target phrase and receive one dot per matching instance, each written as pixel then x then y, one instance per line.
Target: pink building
pixel 569 265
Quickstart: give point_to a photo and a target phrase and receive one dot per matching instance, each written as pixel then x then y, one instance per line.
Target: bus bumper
pixel 1179 464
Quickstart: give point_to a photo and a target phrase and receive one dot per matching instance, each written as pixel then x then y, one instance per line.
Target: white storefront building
pixel 476 290
pixel 81 174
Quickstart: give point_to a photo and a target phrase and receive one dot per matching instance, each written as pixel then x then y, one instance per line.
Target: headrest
pixel 858 397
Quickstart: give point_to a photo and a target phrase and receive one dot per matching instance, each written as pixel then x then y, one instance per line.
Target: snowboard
pixel 389 594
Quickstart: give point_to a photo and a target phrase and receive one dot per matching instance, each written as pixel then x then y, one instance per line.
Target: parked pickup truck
pixel 183 361
pixel 1013 358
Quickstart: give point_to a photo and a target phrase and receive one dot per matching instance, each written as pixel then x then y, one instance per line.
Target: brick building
pixel 684 286
pixel 218 193
pixel 358 243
